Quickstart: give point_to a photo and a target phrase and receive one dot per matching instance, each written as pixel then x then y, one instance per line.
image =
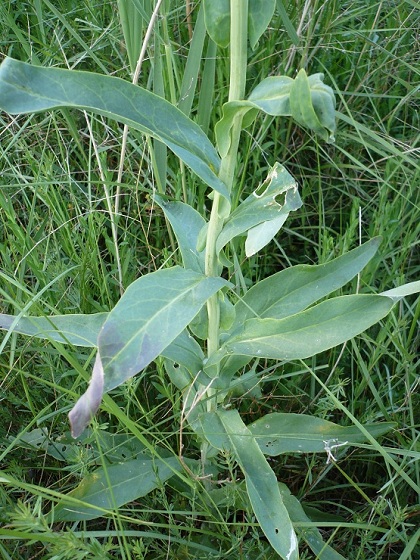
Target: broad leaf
pixel 306 98
pixel 260 13
pixel 83 330
pixel 305 334
pixel 312 104
pixel 105 491
pixel 217 18
pixel 154 310
pixel 150 315
pixel 28 89
pixel 292 290
pixel 278 433
pixel 225 430
pixel 187 224
pixel 271 202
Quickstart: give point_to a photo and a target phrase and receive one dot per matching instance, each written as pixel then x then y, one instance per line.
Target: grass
pixel 58 254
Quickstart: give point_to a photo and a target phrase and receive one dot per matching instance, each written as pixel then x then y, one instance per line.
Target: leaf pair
pixel 306 99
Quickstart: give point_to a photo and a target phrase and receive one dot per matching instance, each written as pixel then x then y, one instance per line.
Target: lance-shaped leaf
pixel 278 433
pixel 270 203
pixel 151 314
pixel 77 329
pixel 305 334
pixel 29 89
pixel 225 430
pixel 292 290
pixel 217 19
pixel 305 527
pixel 104 491
pixel 83 330
pixel 187 224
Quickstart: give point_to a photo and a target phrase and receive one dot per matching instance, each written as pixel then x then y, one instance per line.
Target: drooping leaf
pixel 271 201
pixel 77 329
pixel 309 534
pixel 306 98
pixel 154 310
pixel 87 405
pixel 187 224
pixel 83 330
pixel 307 333
pixel 28 89
pixel 105 491
pixel 292 290
pixel 278 433
pixel 225 430
pixel 151 314
pixel 260 13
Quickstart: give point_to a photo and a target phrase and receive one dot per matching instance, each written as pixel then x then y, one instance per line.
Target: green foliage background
pixel 57 251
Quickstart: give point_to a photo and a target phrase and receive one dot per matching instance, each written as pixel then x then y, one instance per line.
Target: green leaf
pixel 288 25
pixel 402 291
pixel 312 104
pixel 260 13
pixel 305 334
pixel 309 534
pixel 77 329
pixel 292 290
pixel 151 314
pixel 187 224
pixel 272 96
pixel 154 310
pixel 105 491
pixel 225 430
pixel 28 89
pixel 83 330
pixel 217 19
pixel 270 202
pixel 278 433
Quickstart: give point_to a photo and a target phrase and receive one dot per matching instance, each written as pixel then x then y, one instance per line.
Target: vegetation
pixel 171 466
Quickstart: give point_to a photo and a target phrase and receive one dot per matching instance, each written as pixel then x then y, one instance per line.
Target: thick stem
pixel 219 212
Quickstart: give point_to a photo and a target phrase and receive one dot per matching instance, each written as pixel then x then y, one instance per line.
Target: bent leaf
pixel 278 433
pixel 305 529
pixel 77 329
pixel 306 98
pixel 271 202
pixel 305 334
pixel 83 330
pixel 225 430
pixel 292 290
pixel 102 492
pixel 154 310
pixel 312 104
pixel 29 89
pixel 151 314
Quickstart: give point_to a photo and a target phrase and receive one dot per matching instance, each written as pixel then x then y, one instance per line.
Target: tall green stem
pixel 220 209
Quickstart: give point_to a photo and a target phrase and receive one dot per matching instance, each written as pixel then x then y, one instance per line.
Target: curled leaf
pixel 88 404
